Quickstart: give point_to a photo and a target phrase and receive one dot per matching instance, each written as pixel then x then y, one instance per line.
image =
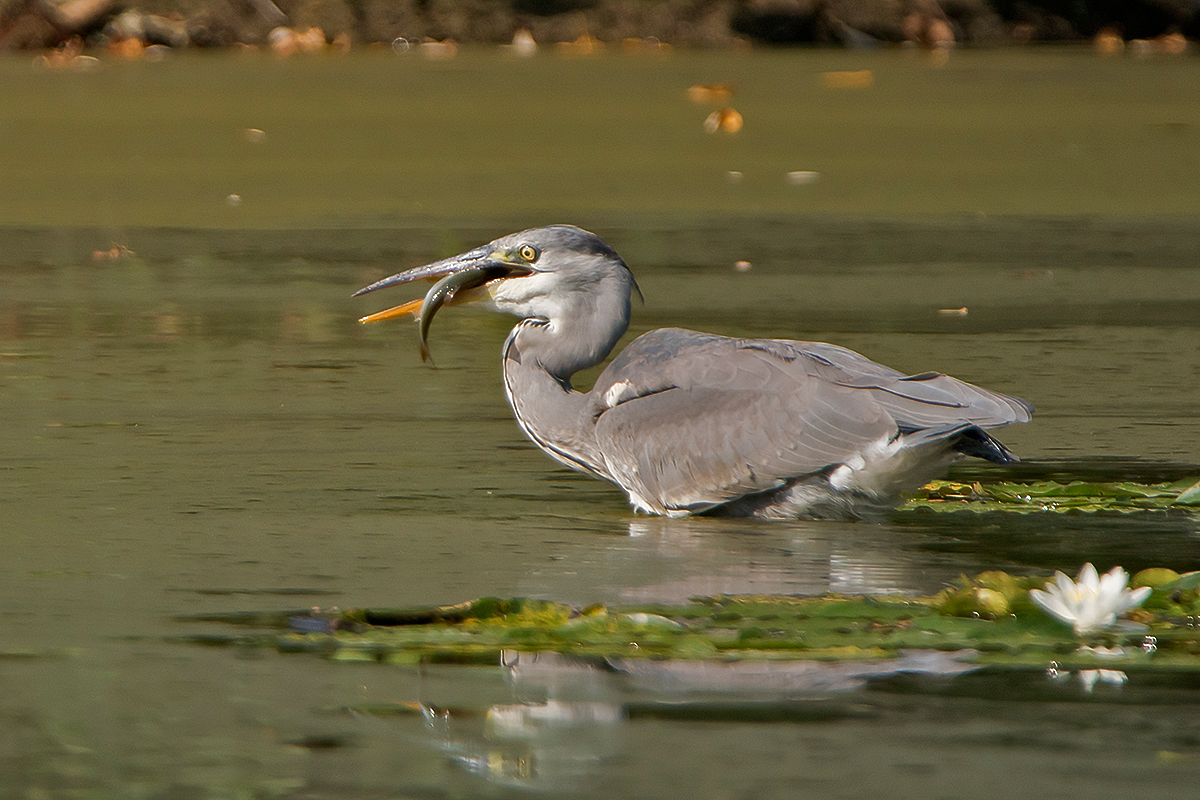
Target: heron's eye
pixel 529 253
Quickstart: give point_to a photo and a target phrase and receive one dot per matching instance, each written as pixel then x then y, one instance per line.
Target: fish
pixel 442 292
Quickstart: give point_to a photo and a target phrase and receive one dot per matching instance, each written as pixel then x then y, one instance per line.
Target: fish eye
pixel 528 253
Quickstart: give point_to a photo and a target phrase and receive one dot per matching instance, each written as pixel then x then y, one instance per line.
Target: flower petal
pixel 1065 585
pixel 1092 602
pixel 1113 583
pixel 1053 605
pixel 1132 600
pixel 1088 577
pixel 1098 620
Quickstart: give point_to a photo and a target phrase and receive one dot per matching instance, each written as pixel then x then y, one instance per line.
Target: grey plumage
pixel 689 422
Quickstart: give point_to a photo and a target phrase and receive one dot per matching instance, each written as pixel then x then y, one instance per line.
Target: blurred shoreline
pixel 583 27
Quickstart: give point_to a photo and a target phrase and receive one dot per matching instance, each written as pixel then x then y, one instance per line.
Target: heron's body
pixel 688 422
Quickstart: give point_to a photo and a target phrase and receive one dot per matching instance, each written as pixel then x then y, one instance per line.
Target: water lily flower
pixel 1090 603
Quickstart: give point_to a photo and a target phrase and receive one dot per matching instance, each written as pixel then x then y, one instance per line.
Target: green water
pixel 202 425
pixel 375 138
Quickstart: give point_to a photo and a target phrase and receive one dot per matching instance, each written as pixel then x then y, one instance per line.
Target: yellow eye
pixel 528 253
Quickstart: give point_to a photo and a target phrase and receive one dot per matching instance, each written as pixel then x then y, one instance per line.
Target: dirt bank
pixel 38 24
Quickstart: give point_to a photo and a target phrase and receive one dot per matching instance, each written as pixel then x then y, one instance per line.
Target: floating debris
pixel 802 177
pixel 114 253
pixel 723 120
pixel 858 79
pixel 710 93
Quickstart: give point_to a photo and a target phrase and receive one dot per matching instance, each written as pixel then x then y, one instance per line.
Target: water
pixel 378 138
pixel 202 426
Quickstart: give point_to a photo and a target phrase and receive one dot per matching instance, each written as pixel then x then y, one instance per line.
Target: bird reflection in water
pixel 568 716
pixel 564 722
pixel 672 560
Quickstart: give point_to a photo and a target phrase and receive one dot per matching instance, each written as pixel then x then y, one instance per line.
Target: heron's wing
pixel 688 421
pixel 928 405
pixel 692 420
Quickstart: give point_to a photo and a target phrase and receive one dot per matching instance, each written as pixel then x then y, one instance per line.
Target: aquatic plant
pixel 1091 603
pixel 1076 497
pixel 987 620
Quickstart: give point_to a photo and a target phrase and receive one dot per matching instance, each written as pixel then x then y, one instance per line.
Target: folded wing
pixel 687 421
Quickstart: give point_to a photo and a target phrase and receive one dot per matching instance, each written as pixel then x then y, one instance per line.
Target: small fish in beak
pixel 442 292
pixel 458 278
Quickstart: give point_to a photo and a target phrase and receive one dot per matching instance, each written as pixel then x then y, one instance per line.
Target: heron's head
pixel 558 274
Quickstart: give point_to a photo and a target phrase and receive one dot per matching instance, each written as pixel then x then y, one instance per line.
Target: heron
pixel 695 423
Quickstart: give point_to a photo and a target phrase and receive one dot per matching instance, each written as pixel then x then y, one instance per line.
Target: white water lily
pixel 1090 603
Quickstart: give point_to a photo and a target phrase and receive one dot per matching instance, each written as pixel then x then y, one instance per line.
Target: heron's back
pixel 688 422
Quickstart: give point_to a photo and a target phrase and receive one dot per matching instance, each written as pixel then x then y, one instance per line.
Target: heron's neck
pixel 574 333
pixel 549 411
pixel 559 335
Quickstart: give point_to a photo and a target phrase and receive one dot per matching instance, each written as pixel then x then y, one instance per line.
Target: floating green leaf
pixel 1189 496
pixel 988 617
pixel 1188 582
pixel 1043 496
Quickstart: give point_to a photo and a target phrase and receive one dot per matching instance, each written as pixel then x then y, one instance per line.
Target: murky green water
pixel 202 426
pixel 376 138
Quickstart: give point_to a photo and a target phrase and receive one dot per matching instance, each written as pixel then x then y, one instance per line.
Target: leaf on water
pixel 1189 581
pixel 1156 578
pixel 1051 496
pixel 989 614
pixel 1189 496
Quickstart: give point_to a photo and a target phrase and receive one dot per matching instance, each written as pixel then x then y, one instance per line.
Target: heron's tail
pixel 976 442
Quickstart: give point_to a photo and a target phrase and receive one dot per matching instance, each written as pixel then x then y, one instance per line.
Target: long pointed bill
pixel 411 307
pixel 461 280
pixel 480 256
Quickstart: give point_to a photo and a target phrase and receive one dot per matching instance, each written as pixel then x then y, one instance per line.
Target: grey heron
pixel 690 423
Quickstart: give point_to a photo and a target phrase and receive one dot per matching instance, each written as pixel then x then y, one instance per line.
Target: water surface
pixel 200 424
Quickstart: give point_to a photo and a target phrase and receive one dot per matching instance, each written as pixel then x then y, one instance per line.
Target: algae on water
pixel 1043 496
pixel 988 617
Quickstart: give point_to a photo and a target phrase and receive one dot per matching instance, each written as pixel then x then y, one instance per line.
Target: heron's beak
pixel 460 279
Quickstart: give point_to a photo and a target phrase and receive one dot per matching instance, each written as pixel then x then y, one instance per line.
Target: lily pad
pixel 987 617
pixel 1051 496
pixel 1189 496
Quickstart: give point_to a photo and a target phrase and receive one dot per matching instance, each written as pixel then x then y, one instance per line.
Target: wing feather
pixel 699 420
